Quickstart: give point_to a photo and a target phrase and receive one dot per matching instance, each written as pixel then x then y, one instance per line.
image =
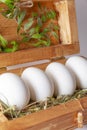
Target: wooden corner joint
pixel 80 119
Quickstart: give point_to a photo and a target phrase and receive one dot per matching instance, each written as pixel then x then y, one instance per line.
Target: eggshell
pixel 64 81
pixel 39 84
pixel 78 66
pixel 13 90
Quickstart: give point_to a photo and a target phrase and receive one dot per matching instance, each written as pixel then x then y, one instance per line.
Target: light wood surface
pixel 67 21
pixel 60 117
pixel 34 54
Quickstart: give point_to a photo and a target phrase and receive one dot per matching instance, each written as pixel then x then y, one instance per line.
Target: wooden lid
pixel 68 36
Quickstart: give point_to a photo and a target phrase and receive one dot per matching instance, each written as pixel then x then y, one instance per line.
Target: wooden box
pixel 62 117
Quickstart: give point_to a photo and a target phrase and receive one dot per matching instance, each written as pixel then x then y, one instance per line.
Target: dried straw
pixel 12 112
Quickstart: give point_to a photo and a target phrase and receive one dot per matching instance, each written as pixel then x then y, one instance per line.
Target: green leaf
pixel 26 39
pixel 42 43
pixel 29 24
pixel 15 46
pixel 46 43
pixel 32 31
pixel 0 49
pixel 37 29
pixel 34 14
pixel 51 14
pixel 20 19
pixel 13 49
pixel 46 30
pixel 3 41
pixel 9 3
pixel 38 44
pixel 36 36
pixel 55 35
pixel 43 18
pixel 7 50
pixel 39 5
pixel 7 14
pixel 16 12
pixel 55 27
pixel 39 22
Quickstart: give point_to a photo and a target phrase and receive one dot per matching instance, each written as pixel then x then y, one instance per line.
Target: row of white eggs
pixel 58 79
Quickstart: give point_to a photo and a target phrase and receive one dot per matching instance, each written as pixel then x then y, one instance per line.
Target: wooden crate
pixel 62 117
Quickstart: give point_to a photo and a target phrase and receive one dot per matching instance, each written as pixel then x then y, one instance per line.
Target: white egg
pixel 64 81
pixel 38 82
pixel 78 66
pixel 13 90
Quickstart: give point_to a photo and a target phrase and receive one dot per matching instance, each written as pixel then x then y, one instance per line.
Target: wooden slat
pixel 29 55
pixel 84 105
pixel 49 119
pixel 67 21
pixel 19 70
pixel 73 21
pixel 52 118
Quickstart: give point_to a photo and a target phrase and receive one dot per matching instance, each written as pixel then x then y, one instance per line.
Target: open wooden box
pixel 62 117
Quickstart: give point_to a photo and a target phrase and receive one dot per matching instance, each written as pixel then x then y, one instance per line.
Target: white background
pixel 81 10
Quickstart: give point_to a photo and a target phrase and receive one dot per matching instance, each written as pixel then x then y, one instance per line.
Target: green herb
pixel 33 30
pixel 38 32
pixel 3 42
pixel 4 45
pixel 13 48
pixel 9 3
pixel 29 24
pixel 20 19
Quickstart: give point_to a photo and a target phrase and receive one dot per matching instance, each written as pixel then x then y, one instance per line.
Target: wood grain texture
pixel 35 54
pixel 67 21
pixel 60 117
pixel 84 105
pixel 8 28
pixel 43 66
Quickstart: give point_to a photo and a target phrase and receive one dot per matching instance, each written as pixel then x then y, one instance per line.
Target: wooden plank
pixel 19 70
pixel 84 105
pixel 8 28
pixel 35 54
pixel 73 21
pixel 49 119
pixel 67 21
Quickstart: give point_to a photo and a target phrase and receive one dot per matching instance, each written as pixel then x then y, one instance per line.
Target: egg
pixel 38 82
pixel 13 90
pixel 78 66
pixel 64 81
